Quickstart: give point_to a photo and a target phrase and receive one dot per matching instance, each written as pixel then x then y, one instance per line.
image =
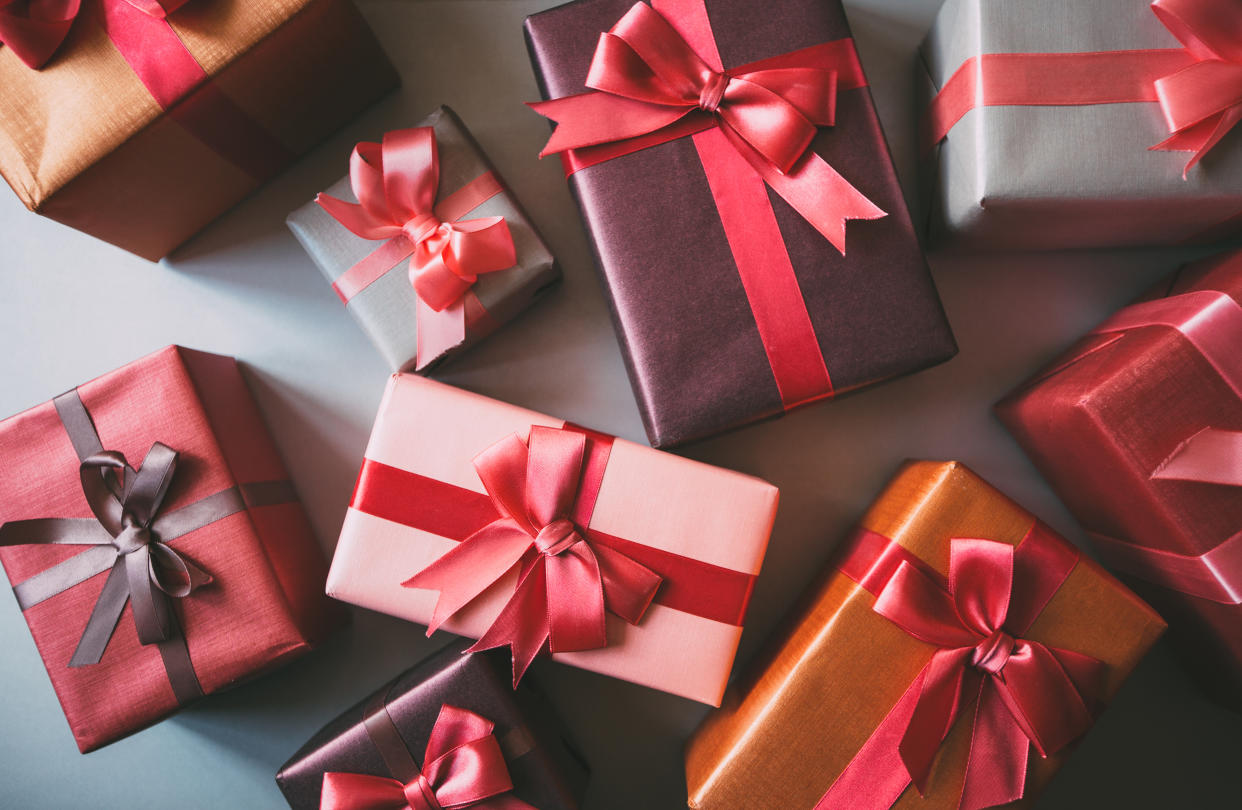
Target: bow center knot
pixel 713 92
pixel 421 796
pixel 133 536
pixel 557 537
pixel 991 654
pixel 423 227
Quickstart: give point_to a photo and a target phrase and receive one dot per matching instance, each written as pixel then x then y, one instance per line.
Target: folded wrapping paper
pixel 1047 115
pixel 264 603
pixel 701 530
pixel 540 761
pixel 822 721
pixel 1132 429
pixel 187 113
pixel 389 308
pixel 792 256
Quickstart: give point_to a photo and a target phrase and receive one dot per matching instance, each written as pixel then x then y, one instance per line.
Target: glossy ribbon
pixel 35 29
pixel 566 582
pixel 1023 692
pixel 463 767
pixel 396 184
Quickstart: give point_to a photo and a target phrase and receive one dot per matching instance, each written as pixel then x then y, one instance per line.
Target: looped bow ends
pixel 1202 102
pixel 566 582
pixel 648 79
pixel 146 572
pixel 35 29
pixel 463 767
pixel 1027 693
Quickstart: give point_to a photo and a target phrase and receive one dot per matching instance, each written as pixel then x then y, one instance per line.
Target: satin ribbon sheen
pixel 35 29
pixel 463 767
pixel 396 184
pixel 1023 692
pixel 566 582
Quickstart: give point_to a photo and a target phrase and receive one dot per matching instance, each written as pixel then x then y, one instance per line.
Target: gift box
pixel 153 117
pixel 520 530
pixel 719 214
pixel 954 639
pixel 1136 429
pixel 445 259
pixel 154 542
pixel 1060 124
pixel 385 743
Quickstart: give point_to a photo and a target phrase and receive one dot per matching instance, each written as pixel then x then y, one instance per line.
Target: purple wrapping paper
pixel 546 770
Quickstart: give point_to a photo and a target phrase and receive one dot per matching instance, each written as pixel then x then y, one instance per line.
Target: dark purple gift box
pixel 692 346
pixel 546 770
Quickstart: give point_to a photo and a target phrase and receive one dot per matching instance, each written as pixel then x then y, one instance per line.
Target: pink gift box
pixel 702 529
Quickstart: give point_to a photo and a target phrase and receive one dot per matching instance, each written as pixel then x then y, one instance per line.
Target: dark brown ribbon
pixel 129 535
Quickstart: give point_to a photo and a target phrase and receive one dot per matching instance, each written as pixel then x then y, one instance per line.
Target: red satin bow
pixel 1026 693
pixel 35 29
pixel 566 582
pixel 648 79
pixel 1203 101
pixel 463 767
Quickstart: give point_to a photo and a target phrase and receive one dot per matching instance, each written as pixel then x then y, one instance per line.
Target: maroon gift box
pixel 688 331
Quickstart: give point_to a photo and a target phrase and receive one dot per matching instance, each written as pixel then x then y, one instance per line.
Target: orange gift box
pixel 818 722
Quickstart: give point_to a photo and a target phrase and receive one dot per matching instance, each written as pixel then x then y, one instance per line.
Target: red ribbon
pixel 652 87
pixel 1023 692
pixel 566 582
pixel 463 767
pixel 35 29
pixel 396 185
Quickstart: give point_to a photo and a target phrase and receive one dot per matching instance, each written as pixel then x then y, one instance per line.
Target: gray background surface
pixel 245 288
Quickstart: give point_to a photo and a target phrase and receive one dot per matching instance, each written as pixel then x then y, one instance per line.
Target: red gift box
pixel 228 514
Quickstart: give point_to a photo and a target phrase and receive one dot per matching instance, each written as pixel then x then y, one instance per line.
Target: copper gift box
pixel 817 699
pixel 1101 424
pixel 239 520
pixel 84 142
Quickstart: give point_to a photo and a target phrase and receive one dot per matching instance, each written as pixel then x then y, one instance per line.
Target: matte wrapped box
pixel 953 641
pixel 540 760
pixel 151 119
pixel 154 495
pixel 510 526
pixel 1136 429
pixel 730 305
pixel 374 280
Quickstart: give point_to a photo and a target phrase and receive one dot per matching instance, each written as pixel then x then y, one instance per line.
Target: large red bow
pixel 566 583
pixel 648 79
pixel 35 29
pixel 462 767
pixel 1202 102
pixel 1026 693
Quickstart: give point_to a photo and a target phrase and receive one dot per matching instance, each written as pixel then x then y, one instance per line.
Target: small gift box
pixel 1138 428
pixel 140 121
pixel 452 727
pixel 716 159
pixel 957 643
pixel 155 486
pixel 437 255
pixel 1061 124
pixel 520 530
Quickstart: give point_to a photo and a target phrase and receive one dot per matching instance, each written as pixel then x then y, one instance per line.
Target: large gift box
pixel 440 254
pixel 453 724
pixel 155 543
pixel 520 530
pixel 153 117
pixel 718 205
pixel 1052 124
pixel 956 643
pixel 1137 428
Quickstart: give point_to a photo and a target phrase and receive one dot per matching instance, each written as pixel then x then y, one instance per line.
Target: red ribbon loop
pixel 35 29
pixel 463 767
pixel 565 583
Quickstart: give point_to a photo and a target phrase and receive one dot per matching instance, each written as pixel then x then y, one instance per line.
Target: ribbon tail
pixel 590 119
pixel 104 617
pixel 938 704
pixel 356 791
pixel 356 219
pixel 1210 456
pixel 1201 137
pixel 152 609
pixel 575 594
pixel 628 586
pixel 523 622
pixel 999 750
pixel 438 332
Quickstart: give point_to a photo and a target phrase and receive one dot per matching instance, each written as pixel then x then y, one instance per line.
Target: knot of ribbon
pixel 1025 693
pixel 463 767
pixel 566 582
pixel 647 79
pixel 35 29
pixel 1202 101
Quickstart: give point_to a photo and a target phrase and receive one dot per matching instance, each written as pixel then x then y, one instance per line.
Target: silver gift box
pixel 386 309
pixel 1036 178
